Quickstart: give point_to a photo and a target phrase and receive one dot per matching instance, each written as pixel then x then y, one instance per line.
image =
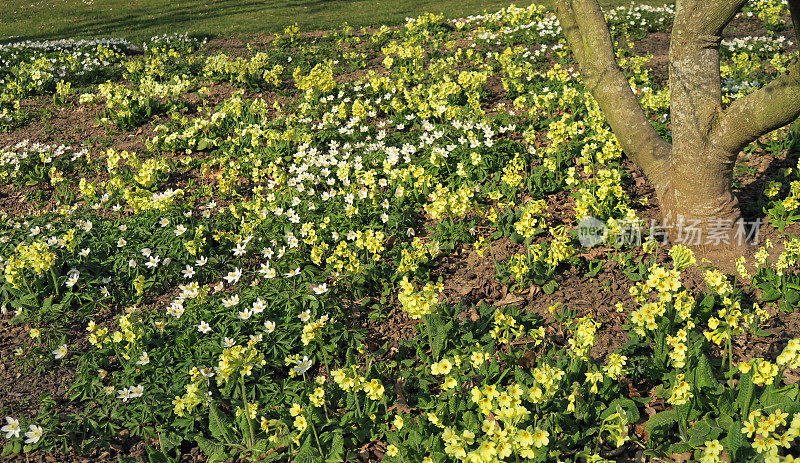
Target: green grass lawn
pixel 138 20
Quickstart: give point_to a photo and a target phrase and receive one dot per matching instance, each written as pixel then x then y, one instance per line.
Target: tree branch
pixel 694 71
pixel 716 15
pixel 588 36
pixel 566 18
pixel 771 107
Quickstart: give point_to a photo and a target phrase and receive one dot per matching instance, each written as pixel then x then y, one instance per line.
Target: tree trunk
pixel 693 176
pixel 697 204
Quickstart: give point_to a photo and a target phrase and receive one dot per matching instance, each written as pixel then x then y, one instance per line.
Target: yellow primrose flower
pixel 374 389
pixel 540 438
pixel 449 383
pixel 295 410
pixel 300 423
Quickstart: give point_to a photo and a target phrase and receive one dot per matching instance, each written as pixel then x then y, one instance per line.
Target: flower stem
pixel 358 408
pixel 316 437
pixel 55 280
pixel 252 439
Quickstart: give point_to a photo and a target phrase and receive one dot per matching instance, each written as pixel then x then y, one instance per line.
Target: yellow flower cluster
pixel 350 380
pixel 547 383
pixel 420 252
pixel 583 330
pixel 771 433
pixel 374 389
pixel 97 335
pixel 141 200
pixel 790 356
pixel 243 70
pixel 418 303
pixel 442 367
pixel 764 371
pixel 717 282
pixel 319 79
pixel 514 171
pixel 372 241
pixel 310 329
pixel 518 264
pixel 560 248
pixel 344 258
pixel 678 348
pixel 603 197
pixel 682 257
pixel 532 218
pixel 614 365
pixel 506 328
pixel 443 201
pixel 681 392
pixel 711 452
pixel 726 324
pixel 771 12
pixel 196 392
pixel 238 359
pixel 36 257
pixel 149 171
pixel 502 428
pixel 317 398
pixel 300 422
pixel 789 257
pixel 666 283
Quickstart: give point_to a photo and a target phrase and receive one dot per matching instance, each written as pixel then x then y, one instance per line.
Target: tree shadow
pixel 139 20
pixel 751 197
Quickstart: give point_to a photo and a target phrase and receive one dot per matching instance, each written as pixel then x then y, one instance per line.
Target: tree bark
pixel 697 193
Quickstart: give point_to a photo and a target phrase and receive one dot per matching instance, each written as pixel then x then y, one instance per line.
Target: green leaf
pixel 169 440
pixel 452 405
pixel 744 398
pixel 470 420
pixel 725 421
pixel 704 374
pixel 664 419
pixel 219 425
pixel 772 294
pixel 679 447
pixel 792 297
pixel 440 338
pixel 698 433
pixel 626 406
pixel 307 453
pixel 521 376
pixel 706 305
pixel 214 451
pixel 156 456
pixel 414 439
pixel 735 441
pixel 550 287
pixel 337 449
pixel 662 391
pixel 8 449
pixel 784 398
